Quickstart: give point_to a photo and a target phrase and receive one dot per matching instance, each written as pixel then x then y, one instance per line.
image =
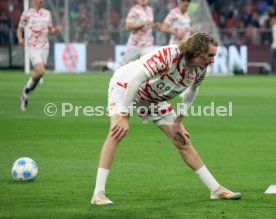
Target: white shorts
pixel 38 56
pixel 133 52
pixel 161 113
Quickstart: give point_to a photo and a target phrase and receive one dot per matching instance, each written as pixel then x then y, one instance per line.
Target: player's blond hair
pixel 197 45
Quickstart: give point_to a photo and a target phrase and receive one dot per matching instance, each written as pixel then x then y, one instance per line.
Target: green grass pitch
pixel 148 178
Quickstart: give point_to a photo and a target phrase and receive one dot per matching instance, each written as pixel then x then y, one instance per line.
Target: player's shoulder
pixel 135 7
pixel 138 7
pixel 165 51
pixel 44 10
pixel 149 8
pixel 173 13
pixel 174 49
pixel 28 11
pixel 174 10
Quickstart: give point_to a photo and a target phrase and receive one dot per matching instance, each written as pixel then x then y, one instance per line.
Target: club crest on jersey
pixel 190 78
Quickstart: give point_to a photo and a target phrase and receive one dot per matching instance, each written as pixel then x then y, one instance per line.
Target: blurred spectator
pixel 84 19
pixel 240 32
pixel 95 16
pixel 4 28
pixel 264 17
pixel 232 11
pixel 114 19
pixel 86 38
pixel 262 6
pixel 265 32
pixel 246 15
pixel 104 38
pixel 251 36
pixel 255 20
pixel 222 22
pixel 273 45
pixel 76 38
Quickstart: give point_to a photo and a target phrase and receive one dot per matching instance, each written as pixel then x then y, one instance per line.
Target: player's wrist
pixel 124 116
pixel 179 118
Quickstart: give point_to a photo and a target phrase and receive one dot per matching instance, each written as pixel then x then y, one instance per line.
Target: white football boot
pixel 100 199
pixel 223 193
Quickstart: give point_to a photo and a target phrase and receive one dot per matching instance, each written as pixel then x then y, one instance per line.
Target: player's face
pixel 204 61
pixel 142 2
pixel 184 4
pixel 38 3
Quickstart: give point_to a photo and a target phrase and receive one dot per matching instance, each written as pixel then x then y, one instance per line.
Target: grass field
pixel 148 178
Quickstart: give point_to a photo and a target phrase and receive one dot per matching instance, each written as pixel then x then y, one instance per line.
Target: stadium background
pixel 100 25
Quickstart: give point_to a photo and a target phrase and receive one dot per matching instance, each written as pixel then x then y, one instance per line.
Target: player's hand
pixel 157 25
pixel 58 29
pixel 21 42
pixel 120 128
pixel 180 133
pixel 179 34
pixel 147 22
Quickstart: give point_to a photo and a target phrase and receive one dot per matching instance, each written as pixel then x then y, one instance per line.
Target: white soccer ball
pixel 24 169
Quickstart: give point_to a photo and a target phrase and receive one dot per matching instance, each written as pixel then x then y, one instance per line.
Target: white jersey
pixel 37 23
pixel 142 37
pixel 167 74
pixel 273 45
pixel 178 21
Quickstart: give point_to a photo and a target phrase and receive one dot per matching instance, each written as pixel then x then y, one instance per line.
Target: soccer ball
pixel 24 169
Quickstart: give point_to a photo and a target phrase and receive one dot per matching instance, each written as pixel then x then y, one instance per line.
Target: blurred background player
pixel 139 22
pixel 177 23
pixel 151 82
pixel 39 23
pixel 273 45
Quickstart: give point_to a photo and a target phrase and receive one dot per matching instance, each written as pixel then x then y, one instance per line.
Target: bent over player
pixel 39 23
pixel 154 79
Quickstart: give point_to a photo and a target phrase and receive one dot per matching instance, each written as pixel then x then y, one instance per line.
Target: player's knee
pixel 181 144
pixel 115 140
pixel 39 70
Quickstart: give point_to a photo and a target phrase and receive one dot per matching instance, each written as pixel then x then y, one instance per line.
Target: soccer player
pixel 39 23
pixel 150 82
pixel 177 23
pixel 140 23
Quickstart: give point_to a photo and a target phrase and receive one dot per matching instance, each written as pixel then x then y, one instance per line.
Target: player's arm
pixel 165 28
pixel 188 98
pixel 190 95
pixel 136 26
pixel 54 30
pixel 120 128
pixel 20 38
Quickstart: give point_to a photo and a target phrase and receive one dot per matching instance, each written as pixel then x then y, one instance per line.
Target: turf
pixel 148 178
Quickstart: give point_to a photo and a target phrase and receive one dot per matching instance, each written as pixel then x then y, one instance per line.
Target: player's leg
pixel 131 54
pixel 38 58
pixel 193 160
pixel 145 50
pixel 115 97
pixel 106 159
pixel 165 122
